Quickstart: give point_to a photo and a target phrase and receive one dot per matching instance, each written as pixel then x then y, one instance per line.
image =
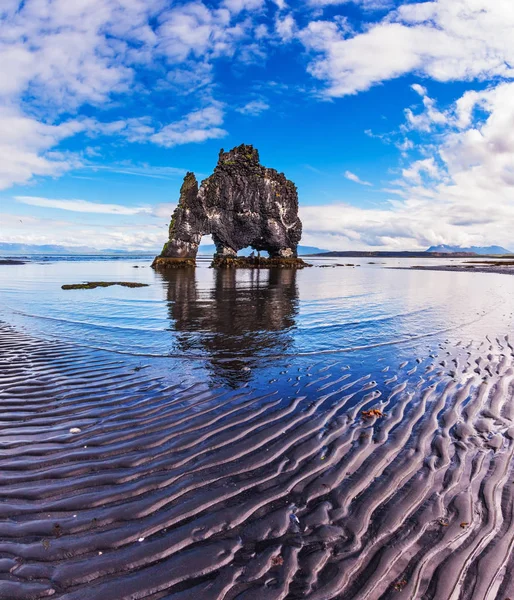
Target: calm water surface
pixel 238 326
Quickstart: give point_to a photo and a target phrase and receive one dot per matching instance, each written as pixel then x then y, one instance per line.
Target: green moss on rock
pixel 247 262
pixel 165 262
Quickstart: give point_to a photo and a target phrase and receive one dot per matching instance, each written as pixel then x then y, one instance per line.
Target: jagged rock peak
pixel 240 154
pixel 241 204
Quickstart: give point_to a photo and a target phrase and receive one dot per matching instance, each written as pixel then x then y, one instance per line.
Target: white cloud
pixel 25 145
pixel 445 40
pixel 285 26
pixel 193 30
pixel 462 194
pixel 430 116
pixel 71 52
pixel 145 170
pixel 82 206
pixel 164 210
pixel 197 126
pixel 355 178
pixel 425 166
pixel 253 108
pixel 237 6
pixel 57 55
pixel 366 4
pixel 138 236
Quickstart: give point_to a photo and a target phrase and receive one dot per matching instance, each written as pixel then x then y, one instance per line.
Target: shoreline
pixel 507 270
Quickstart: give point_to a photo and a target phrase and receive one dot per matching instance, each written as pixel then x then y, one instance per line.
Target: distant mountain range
pixel 8 249
pixel 442 248
pixel 50 249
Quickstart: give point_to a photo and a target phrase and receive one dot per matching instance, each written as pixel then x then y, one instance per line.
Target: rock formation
pixel 241 204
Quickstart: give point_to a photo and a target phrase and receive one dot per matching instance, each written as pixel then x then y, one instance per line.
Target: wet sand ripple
pixel 116 485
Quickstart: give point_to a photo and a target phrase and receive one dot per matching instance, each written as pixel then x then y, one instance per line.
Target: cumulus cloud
pixel 355 178
pixel 197 126
pixel 462 194
pixel 128 236
pixel 445 40
pixel 285 27
pixel 68 53
pixel 253 108
pixel 25 147
pixel 196 30
pixel 417 169
pixel 366 4
pixel 430 117
pixel 56 56
pixel 237 6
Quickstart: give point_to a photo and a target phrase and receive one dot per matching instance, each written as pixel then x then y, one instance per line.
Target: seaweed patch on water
pixel 11 261
pixel 91 285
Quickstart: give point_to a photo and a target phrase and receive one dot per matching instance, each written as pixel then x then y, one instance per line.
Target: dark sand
pixel 198 494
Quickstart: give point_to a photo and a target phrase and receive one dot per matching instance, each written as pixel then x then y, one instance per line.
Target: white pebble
pixel 75 430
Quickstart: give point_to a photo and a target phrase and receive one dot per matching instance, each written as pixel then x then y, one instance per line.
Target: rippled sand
pixel 192 493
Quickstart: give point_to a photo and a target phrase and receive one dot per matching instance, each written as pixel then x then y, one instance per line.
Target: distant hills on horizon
pixel 209 249
pixel 445 249
pixel 55 249
pixel 11 248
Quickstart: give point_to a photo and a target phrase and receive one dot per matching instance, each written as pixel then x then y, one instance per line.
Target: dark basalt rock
pixel 164 263
pixel 241 204
pixel 248 262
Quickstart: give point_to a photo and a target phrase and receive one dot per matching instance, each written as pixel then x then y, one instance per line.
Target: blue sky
pixel 394 119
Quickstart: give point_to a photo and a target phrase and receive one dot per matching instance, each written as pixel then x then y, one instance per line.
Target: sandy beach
pixel 117 485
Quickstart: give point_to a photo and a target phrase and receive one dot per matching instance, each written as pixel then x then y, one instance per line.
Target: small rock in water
pixel 75 430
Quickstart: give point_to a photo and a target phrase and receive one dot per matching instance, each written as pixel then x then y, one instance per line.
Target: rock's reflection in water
pixel 236 323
